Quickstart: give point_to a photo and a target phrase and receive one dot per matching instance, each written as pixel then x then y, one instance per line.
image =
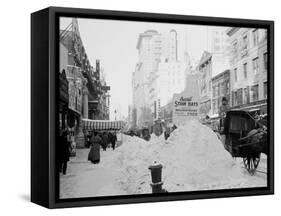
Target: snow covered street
pixel 84 179
pixel 193 159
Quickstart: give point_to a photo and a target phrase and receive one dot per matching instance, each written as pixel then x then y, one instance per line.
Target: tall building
pixel 152 47
pixel 248 67
pixel 213 62
pixel 170 80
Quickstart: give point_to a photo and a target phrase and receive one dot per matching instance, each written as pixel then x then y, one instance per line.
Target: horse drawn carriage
pixel 244 135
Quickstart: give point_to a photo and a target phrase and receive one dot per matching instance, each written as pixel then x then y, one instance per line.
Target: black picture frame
pixel 44 91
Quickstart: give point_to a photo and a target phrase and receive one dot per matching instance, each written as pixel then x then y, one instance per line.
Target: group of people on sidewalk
pixel 98 141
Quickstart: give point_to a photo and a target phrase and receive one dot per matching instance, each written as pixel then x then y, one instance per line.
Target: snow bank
pixel 193 158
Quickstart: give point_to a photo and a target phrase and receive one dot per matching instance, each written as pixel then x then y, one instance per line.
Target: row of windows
pixel 255 66
pixel 221 89
pixel 248 94
pixel 245 41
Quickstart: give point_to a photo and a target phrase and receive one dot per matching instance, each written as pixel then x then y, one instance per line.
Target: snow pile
pixel 193 158
pixel 135 156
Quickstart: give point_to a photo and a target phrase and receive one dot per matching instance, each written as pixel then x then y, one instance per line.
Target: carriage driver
pixel 222 111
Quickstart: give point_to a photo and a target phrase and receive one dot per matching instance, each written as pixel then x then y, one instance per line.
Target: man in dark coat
pixel 105 141
pixel 113 140
pixel 222 112
pixel 64 152
pixel 94 154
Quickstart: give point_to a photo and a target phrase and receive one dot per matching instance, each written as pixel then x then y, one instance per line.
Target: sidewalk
pixel 84 179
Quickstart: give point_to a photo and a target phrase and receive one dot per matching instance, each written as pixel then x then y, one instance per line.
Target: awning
pixel 102 124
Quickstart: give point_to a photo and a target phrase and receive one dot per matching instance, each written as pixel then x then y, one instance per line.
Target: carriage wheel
pixel 251 163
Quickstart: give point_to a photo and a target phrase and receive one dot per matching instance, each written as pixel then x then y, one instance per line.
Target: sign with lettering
pixel 186 104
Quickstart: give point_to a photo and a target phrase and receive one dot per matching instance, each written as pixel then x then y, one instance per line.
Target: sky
pixel 114 43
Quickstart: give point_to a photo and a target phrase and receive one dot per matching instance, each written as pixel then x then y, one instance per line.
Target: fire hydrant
pixel 156 177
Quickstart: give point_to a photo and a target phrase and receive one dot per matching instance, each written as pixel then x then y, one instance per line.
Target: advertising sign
pixel 186 104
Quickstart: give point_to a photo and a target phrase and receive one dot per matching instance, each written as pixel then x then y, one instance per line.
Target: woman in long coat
pixel 94 154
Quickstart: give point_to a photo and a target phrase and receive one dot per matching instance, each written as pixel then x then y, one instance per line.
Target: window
pixel 235 75
pixel 255 65
pixel 245 42
pixel 239 96
pixel 227 87
pixel 246 96
pixel 265 61
pixel 255 93
pixel 265 90
pixel 255 37
pixel 245 70
pixel 223 88
pixel 235 47
pixel 214 91
pixel 235 98
pixel 214 106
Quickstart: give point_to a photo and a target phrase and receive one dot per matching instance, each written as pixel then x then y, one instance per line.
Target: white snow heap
pixel 193 158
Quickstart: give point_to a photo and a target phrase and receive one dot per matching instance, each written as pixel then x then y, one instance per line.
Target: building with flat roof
pixel 153 48
pixel 248 67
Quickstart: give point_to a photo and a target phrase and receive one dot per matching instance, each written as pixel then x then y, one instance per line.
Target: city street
pixel 121 172
pixel 180 82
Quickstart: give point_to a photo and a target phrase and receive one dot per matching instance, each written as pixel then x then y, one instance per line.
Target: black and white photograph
pixel 150 108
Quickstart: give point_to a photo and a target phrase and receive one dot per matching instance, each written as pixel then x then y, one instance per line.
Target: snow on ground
pixel 193 159
pixel 84 179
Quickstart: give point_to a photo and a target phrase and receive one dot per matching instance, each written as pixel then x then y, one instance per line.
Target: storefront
pixel 63 101
pixel 259 106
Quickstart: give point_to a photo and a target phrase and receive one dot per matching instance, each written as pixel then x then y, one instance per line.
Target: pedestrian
pixel 105 141
pixel 94 153
pixel 113 140
pixel 64 152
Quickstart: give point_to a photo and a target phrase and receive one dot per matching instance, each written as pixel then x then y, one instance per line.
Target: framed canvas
pixel 132 107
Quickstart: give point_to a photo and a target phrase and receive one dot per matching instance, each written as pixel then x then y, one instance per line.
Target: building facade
pixel 220 89
pixel 171 79
pixel 205 83
pixel 248 67
pixel 152 47
pixel 84 84
pixel 212 62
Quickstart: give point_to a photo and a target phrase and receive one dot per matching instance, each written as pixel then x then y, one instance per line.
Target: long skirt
pixel 94 154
